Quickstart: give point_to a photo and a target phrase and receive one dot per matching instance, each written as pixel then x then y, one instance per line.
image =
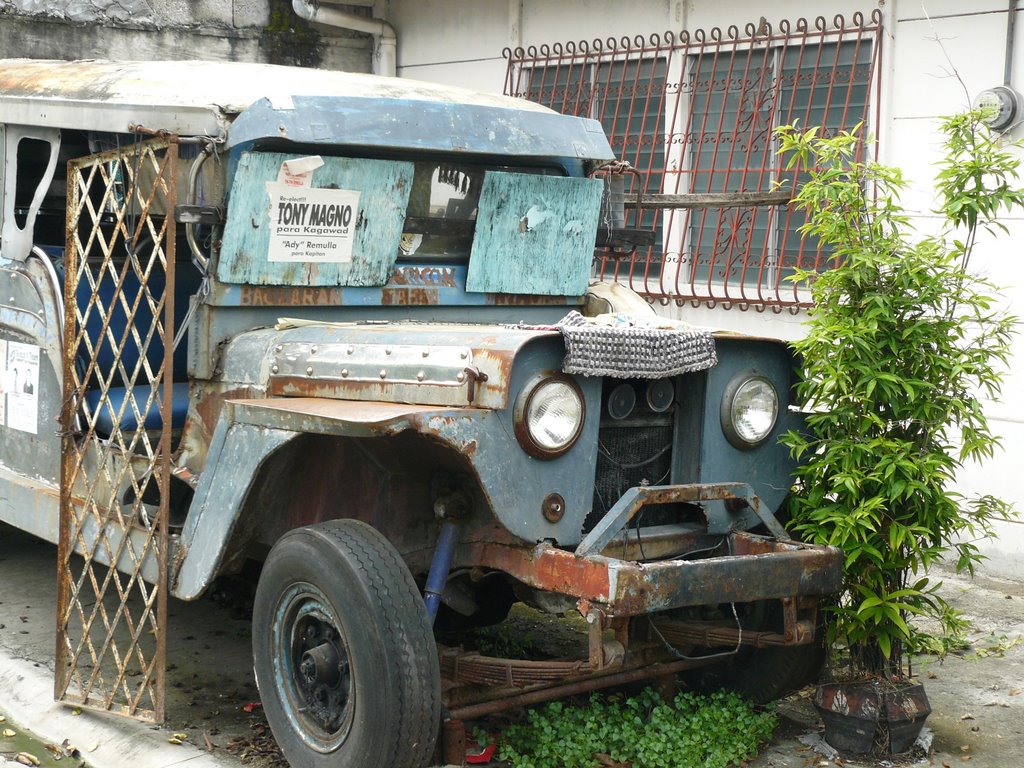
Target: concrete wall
pixel 937 55
pixel 235 30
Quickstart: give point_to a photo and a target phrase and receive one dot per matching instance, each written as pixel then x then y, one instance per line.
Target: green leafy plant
pixel 691 731
pixel 903 344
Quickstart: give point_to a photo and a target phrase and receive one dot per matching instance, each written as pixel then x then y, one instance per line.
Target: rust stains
pixel 431 277
pixel 298 296
pixel 419 297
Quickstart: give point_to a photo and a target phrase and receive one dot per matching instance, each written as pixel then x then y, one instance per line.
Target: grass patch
pixel 691 731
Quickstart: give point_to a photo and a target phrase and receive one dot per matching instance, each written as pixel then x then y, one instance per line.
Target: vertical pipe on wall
pixel 1011 21
pixel 385 41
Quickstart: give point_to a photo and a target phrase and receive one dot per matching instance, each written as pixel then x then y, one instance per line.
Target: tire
pixel 344 654
pixel 766 674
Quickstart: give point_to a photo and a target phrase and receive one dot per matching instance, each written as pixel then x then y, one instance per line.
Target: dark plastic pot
pixel 872 716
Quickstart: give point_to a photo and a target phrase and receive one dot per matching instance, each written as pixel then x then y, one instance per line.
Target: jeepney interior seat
pixel 187 280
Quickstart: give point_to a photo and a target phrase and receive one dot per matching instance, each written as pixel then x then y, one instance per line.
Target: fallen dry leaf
pixel 1016 691
pixel 964 747
pixel 182 736
pixel 3 719
pixel 174 740
pixel 967 716
pixel 27 758
pixel 9 733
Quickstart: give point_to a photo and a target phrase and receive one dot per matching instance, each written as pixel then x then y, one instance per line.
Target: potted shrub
pixel 903 343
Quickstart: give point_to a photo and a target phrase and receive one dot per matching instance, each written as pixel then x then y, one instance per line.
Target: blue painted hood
pixel 397 124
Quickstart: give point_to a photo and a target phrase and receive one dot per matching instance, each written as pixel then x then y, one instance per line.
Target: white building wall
pixel 937 55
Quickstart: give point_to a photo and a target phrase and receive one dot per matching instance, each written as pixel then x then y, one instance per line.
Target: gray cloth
pixel 634 351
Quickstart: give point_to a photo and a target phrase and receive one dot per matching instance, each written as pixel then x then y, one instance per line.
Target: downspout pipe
pixel 385 41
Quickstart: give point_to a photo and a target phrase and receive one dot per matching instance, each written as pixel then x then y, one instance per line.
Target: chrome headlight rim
pixel 735 387
pixel 522 408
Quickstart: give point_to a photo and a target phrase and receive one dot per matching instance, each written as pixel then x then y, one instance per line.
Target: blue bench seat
pixel 187 281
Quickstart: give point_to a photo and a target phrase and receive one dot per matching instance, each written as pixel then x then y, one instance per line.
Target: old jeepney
pixel 341 332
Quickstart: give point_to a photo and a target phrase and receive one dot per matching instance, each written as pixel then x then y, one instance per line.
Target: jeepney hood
pixel 403 362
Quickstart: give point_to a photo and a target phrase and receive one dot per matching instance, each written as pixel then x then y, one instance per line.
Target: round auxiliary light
pixel 750 408
pixel 661 393
pixel 621 401
pixel 549 416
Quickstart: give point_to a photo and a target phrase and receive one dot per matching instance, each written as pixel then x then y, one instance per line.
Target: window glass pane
pixel 826 86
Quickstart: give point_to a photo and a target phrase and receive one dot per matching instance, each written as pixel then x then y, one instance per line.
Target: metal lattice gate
pixel 112 579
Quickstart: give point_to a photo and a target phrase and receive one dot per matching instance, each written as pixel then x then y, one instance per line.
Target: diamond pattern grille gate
pixel 112 569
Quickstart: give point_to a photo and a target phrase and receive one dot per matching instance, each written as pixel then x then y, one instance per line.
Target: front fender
pixel 248 432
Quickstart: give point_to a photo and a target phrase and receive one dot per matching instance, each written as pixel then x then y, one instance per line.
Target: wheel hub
pixel 316 672
pixel 321 665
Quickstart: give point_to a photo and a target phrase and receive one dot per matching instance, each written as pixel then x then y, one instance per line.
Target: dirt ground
pixel 976 695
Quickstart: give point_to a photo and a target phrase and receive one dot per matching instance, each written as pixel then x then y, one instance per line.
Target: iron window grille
pixel 695 114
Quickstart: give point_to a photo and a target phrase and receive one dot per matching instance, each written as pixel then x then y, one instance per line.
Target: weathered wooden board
pixel 534 234
pixel 383 188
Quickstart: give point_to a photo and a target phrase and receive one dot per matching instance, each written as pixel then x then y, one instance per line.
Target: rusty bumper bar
pixel 753 568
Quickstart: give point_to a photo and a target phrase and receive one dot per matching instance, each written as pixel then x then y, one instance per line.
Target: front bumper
pixel 755 568
pixel 752 567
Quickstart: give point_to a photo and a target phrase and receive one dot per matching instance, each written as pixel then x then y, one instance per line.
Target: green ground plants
pixel 690 731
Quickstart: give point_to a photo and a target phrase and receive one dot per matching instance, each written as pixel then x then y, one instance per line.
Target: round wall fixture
pixel 1002 105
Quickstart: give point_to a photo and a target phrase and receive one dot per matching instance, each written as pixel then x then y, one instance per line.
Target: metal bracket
pixel 198 214
pixel 633 500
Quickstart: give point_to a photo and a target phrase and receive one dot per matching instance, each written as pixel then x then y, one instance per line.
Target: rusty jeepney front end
pixel 406 400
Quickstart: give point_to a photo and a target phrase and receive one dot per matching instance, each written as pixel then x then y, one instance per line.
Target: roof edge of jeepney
pixel 204 98
pixel 509 129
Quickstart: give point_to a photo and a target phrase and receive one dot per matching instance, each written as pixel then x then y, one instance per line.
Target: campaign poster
pixel 310 224
pixel 22 387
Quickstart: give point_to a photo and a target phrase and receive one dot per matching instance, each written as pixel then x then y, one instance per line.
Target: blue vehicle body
pixel 391 383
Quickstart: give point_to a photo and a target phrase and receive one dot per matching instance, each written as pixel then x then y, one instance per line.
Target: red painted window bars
pixel 694 113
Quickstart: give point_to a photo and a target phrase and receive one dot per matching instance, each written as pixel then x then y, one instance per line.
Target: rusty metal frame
pixel 111 642
pixel 634 499
pixel 644 91
pixel 621 588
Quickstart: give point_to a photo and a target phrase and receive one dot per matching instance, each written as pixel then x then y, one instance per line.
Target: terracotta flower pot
pixel 863 717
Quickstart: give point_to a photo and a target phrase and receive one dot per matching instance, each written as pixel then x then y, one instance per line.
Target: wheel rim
pixel 311 667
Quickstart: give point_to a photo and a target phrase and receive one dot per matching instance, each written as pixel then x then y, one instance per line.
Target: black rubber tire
pixel 767 674
pixel 393 707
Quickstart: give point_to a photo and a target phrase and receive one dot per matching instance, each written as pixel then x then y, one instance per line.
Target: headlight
pixel 549 416
pixel 750 408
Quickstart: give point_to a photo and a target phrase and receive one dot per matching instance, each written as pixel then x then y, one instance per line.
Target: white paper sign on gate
pixel 310 224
